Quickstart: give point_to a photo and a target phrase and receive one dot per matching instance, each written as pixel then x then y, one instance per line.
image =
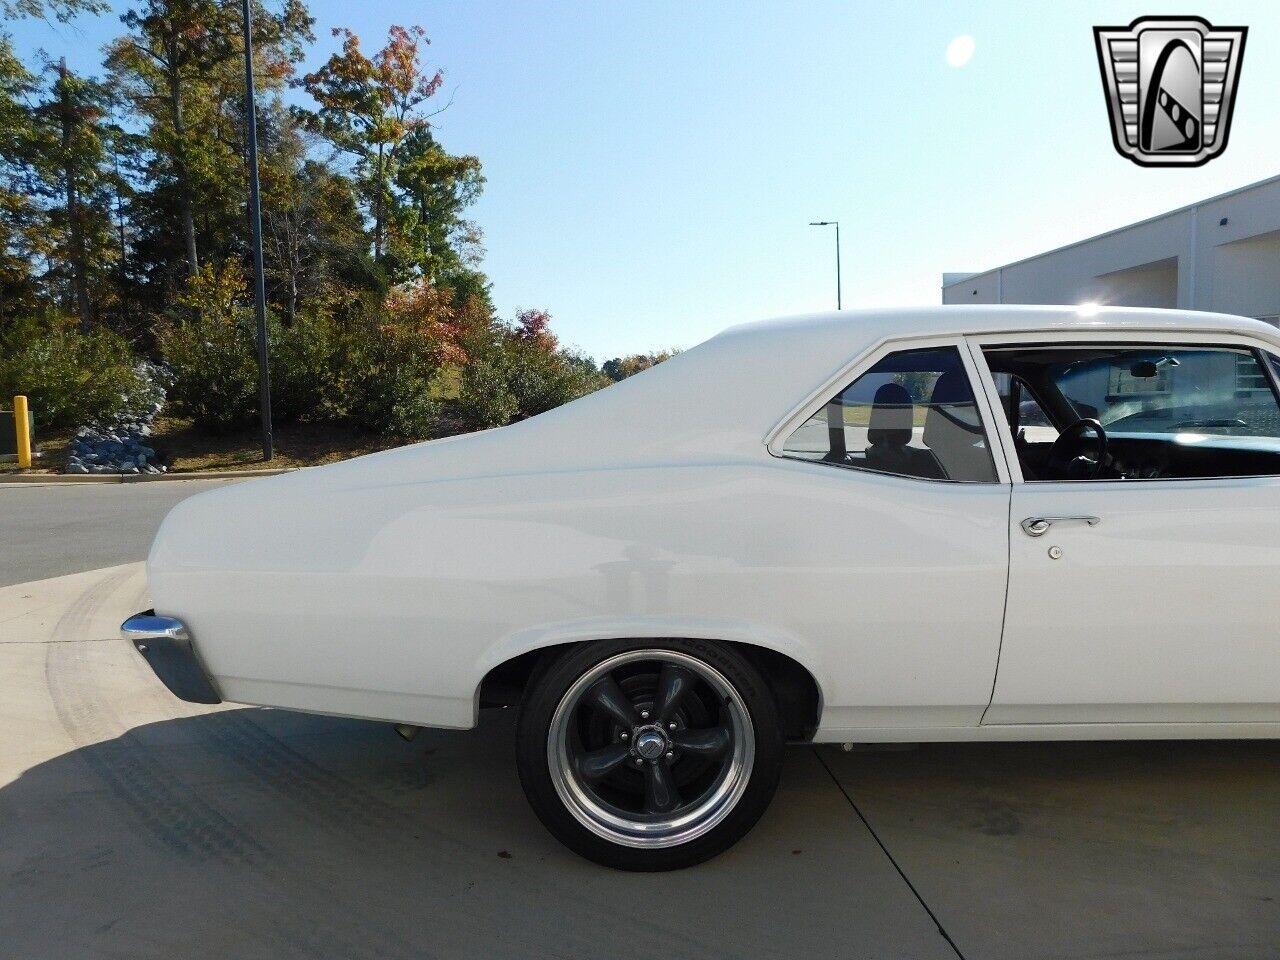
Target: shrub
pixel 408 411
pixel 211 348
pixel 215 368
pixel 392 371
pixel 521 376
pixel 310 379
pixel 395 368
pixel 484 398
pixel 73 378
pixel 541 380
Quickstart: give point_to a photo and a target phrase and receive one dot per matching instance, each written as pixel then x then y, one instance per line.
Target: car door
pixel 888 518
pixel 1149 598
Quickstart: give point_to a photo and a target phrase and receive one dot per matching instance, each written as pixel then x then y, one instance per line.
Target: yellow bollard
pixel 20 428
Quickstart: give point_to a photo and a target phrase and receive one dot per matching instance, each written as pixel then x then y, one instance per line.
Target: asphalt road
pixel 47 531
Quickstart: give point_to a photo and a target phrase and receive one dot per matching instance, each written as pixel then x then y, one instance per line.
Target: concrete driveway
pixel 133 825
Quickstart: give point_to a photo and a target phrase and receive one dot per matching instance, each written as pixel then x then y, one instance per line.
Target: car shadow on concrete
pixel 262 833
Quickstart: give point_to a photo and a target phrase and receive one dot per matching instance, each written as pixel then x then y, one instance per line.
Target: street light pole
pixel 836 224
pixel 255 229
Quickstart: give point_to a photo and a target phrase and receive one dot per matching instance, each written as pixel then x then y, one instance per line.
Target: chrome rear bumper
pixel 165 644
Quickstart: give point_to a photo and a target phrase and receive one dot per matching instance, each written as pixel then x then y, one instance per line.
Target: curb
pixel 59 479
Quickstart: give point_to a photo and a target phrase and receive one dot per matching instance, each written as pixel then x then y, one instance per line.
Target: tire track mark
pixel 183 822
pixel 548 911
pixel 354 815
pixel 168 811
pixel 580 922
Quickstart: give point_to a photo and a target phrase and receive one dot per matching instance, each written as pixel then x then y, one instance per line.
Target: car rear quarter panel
pixel 394 602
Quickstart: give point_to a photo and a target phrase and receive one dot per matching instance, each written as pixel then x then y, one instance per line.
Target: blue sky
pixel 652 167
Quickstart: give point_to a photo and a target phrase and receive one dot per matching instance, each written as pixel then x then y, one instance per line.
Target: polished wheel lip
pixel 605 821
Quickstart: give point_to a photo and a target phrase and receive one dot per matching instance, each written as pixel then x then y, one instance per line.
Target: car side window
pixel 1025 413
pixel 913 414
pixel 1145 412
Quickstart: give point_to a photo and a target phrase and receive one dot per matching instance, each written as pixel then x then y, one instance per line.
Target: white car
pixel 955 523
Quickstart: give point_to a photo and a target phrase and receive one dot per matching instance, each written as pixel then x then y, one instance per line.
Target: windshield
pixel 1161 391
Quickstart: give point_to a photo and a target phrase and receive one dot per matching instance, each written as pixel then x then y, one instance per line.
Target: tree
pixel 314 242
pixel 518 370
pixel 619 368
pixel 22 237
pixel 370 108
pixel 80 184
pixel 437 188
pixel 533 327
pixel 178 68
pixel 60 10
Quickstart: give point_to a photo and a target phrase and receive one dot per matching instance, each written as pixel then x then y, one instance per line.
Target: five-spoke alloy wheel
pixel 649 755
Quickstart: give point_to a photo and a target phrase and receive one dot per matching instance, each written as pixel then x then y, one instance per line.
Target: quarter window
pixel 912 414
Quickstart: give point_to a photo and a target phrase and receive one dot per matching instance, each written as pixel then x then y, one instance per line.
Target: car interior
pixel 1139 412
pixel 953 445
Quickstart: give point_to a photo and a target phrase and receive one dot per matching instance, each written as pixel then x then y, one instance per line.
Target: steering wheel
pixel 1067 458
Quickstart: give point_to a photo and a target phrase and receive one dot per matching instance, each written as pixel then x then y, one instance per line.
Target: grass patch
pixel 185 448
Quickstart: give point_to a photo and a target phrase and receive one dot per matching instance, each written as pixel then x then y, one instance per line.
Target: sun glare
pixel 960 50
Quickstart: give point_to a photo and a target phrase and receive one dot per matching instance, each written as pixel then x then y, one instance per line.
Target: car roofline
pixel 992 319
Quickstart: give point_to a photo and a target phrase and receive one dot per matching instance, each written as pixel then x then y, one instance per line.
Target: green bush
pixel 209 341
pixel 376 376
pixel 400 369
pixel 542 380
pixel 485 399
pixel 215 367
pixel 310 379
pixel 391 373
pixel 71 378
pixel 516 379
pixel 408 411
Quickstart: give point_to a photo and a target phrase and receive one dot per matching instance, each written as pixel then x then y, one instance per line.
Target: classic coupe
pixel 953 523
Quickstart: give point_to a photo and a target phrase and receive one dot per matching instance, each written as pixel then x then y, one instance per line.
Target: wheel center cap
pixel 650 744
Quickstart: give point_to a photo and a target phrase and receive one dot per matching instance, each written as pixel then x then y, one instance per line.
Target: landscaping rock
pixel 119 446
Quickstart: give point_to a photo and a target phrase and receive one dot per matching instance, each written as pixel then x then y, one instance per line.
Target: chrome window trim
pixel 850 372
pixel 1194 339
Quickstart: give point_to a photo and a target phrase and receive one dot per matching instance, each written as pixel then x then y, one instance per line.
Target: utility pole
pixel 255 229
pixel 836 224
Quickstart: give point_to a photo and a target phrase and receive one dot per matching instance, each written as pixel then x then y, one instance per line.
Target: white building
pixel 1221 254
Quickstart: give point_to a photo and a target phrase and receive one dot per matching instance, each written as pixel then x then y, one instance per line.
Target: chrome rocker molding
pixel 165 644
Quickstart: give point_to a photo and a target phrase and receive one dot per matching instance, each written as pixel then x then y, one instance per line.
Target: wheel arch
pixel 796 691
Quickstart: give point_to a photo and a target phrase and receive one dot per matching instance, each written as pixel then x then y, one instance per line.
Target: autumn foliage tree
pixel 619 368
pixel 369 107
pixel 123 233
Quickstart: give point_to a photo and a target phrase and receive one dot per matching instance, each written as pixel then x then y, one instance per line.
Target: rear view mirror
pixel 1144 370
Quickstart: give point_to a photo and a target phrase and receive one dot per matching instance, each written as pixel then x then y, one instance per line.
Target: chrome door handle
pixel 1039 526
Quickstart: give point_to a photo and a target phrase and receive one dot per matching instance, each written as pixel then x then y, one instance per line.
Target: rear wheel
pixel 649 755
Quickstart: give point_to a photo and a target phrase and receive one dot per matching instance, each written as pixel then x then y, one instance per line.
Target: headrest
pixel 891 417
pixel 952 387
pixel 951 410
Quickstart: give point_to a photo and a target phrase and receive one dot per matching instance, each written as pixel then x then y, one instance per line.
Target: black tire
pixel 734 785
